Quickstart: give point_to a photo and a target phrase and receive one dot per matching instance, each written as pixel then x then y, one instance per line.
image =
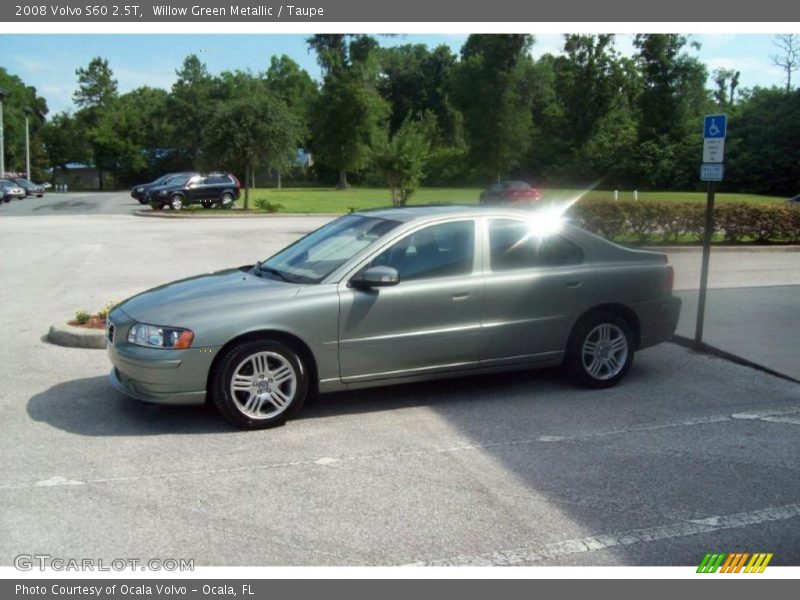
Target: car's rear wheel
pixel 259 384
pixel 176 202
pixel 226 200
pixel 601 350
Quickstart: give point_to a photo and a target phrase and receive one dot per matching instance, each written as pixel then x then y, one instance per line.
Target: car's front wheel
pixel 259 384
pixel 601 350
pixel 176 202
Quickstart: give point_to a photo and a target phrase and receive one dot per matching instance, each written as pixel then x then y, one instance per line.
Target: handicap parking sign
pixel 714 127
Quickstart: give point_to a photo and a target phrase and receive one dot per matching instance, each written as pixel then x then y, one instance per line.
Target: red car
pixel 510 192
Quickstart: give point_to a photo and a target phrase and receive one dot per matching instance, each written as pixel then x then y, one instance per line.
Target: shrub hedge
pixel 672 222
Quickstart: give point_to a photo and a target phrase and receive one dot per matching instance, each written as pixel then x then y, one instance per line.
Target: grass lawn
pixel 330 200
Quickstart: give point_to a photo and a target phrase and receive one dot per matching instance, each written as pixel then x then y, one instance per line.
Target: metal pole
pixel 27 149
pixel 2 148
pixel 707 235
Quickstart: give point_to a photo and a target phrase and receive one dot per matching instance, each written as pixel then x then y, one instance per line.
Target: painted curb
pixel 77 337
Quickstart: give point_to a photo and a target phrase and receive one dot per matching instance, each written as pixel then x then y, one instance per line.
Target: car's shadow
pixel 92 407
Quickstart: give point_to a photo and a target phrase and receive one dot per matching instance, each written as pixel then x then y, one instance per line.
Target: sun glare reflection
pixel 549 217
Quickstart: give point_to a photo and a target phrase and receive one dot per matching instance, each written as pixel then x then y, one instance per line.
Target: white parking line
pixel 539 552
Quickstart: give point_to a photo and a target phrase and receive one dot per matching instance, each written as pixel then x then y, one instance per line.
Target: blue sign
pixel 714 127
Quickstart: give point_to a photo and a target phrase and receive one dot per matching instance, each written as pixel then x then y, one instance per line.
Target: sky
pixel 49 61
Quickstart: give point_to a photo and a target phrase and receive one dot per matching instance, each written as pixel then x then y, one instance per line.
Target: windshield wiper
pixel 260 268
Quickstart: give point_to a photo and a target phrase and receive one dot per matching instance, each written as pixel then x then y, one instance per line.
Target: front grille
pixel 110 332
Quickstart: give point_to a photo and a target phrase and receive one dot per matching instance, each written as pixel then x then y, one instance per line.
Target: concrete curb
pixel 715 248
pixel 77 337
pixel 228 214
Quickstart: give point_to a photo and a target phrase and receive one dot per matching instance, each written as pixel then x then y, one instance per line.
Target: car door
pixel 429 321
pixel 536 282
pixel 195 188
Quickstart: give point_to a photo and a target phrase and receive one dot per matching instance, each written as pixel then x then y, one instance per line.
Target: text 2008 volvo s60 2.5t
pixel 389 296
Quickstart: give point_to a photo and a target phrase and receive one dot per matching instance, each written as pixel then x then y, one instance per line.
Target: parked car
pixel 11 190
pixel 140 191
pixel 391 296
pixel 31 189
pixel 794 199
pixel 206 190
pixel 510 192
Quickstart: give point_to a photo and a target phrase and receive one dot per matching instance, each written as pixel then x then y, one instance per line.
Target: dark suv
pixel 206 190
pixel 139 191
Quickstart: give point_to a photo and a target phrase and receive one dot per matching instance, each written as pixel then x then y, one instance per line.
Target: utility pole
pixel 2 147
pixel 27 112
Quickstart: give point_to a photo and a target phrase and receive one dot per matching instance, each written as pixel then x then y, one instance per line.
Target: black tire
pixel 606 366
pixel 156 206
pixel 226 200
pixel 141 200
pixel 177 202
pixel 232 359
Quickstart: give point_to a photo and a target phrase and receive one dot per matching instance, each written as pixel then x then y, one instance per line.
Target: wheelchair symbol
pixel 713 130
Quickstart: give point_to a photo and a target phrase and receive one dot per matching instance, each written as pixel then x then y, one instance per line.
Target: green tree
pixel 129 138
pixel 401 159
pixel 97 91
pixel 673 87
pixel 20 97
pixel 492 92
pixel 763 145
pixel 350 112
pixel 97 87
pixel 65 140
pixel 190 105
pixel 293 85
pixel 252 129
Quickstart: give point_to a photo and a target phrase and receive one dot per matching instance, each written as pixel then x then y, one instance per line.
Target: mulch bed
pixel 94 322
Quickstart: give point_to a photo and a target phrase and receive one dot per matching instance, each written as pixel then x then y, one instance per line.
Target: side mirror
pixel 376 277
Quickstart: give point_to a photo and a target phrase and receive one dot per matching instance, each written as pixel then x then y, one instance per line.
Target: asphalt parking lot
pixel 690 454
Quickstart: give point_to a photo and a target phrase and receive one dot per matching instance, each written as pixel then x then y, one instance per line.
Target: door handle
pixel 574 284
pixel 460 295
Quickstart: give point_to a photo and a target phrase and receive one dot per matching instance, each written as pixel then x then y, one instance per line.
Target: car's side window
pixel 442 250
pixel 513 246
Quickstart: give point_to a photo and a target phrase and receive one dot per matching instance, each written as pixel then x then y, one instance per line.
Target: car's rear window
pixel 513 246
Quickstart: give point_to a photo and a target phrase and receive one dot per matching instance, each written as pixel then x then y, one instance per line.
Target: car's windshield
pixel 320 253
pixel 179 180
pixel 24 182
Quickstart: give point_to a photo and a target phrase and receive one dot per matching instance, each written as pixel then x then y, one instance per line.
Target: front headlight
pixel 140 189
pixel 155 336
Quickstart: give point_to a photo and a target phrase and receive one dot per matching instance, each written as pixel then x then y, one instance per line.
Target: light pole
pixel 2 148
pixel 27 110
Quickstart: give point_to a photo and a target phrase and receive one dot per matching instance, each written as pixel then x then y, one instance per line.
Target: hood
pixel 185 302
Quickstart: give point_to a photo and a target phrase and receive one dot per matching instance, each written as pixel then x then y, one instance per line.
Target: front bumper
pixel 157 375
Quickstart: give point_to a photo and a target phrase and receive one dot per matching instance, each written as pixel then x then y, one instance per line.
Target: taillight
pixel 236 179
pixel 670 279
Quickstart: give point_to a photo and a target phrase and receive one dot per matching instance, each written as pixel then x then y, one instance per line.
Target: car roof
pixel 430 212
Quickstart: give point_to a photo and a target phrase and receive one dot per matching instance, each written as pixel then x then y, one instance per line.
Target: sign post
pixel 714 132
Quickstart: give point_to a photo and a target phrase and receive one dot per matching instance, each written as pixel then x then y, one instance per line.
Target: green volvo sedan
pixel 390 296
